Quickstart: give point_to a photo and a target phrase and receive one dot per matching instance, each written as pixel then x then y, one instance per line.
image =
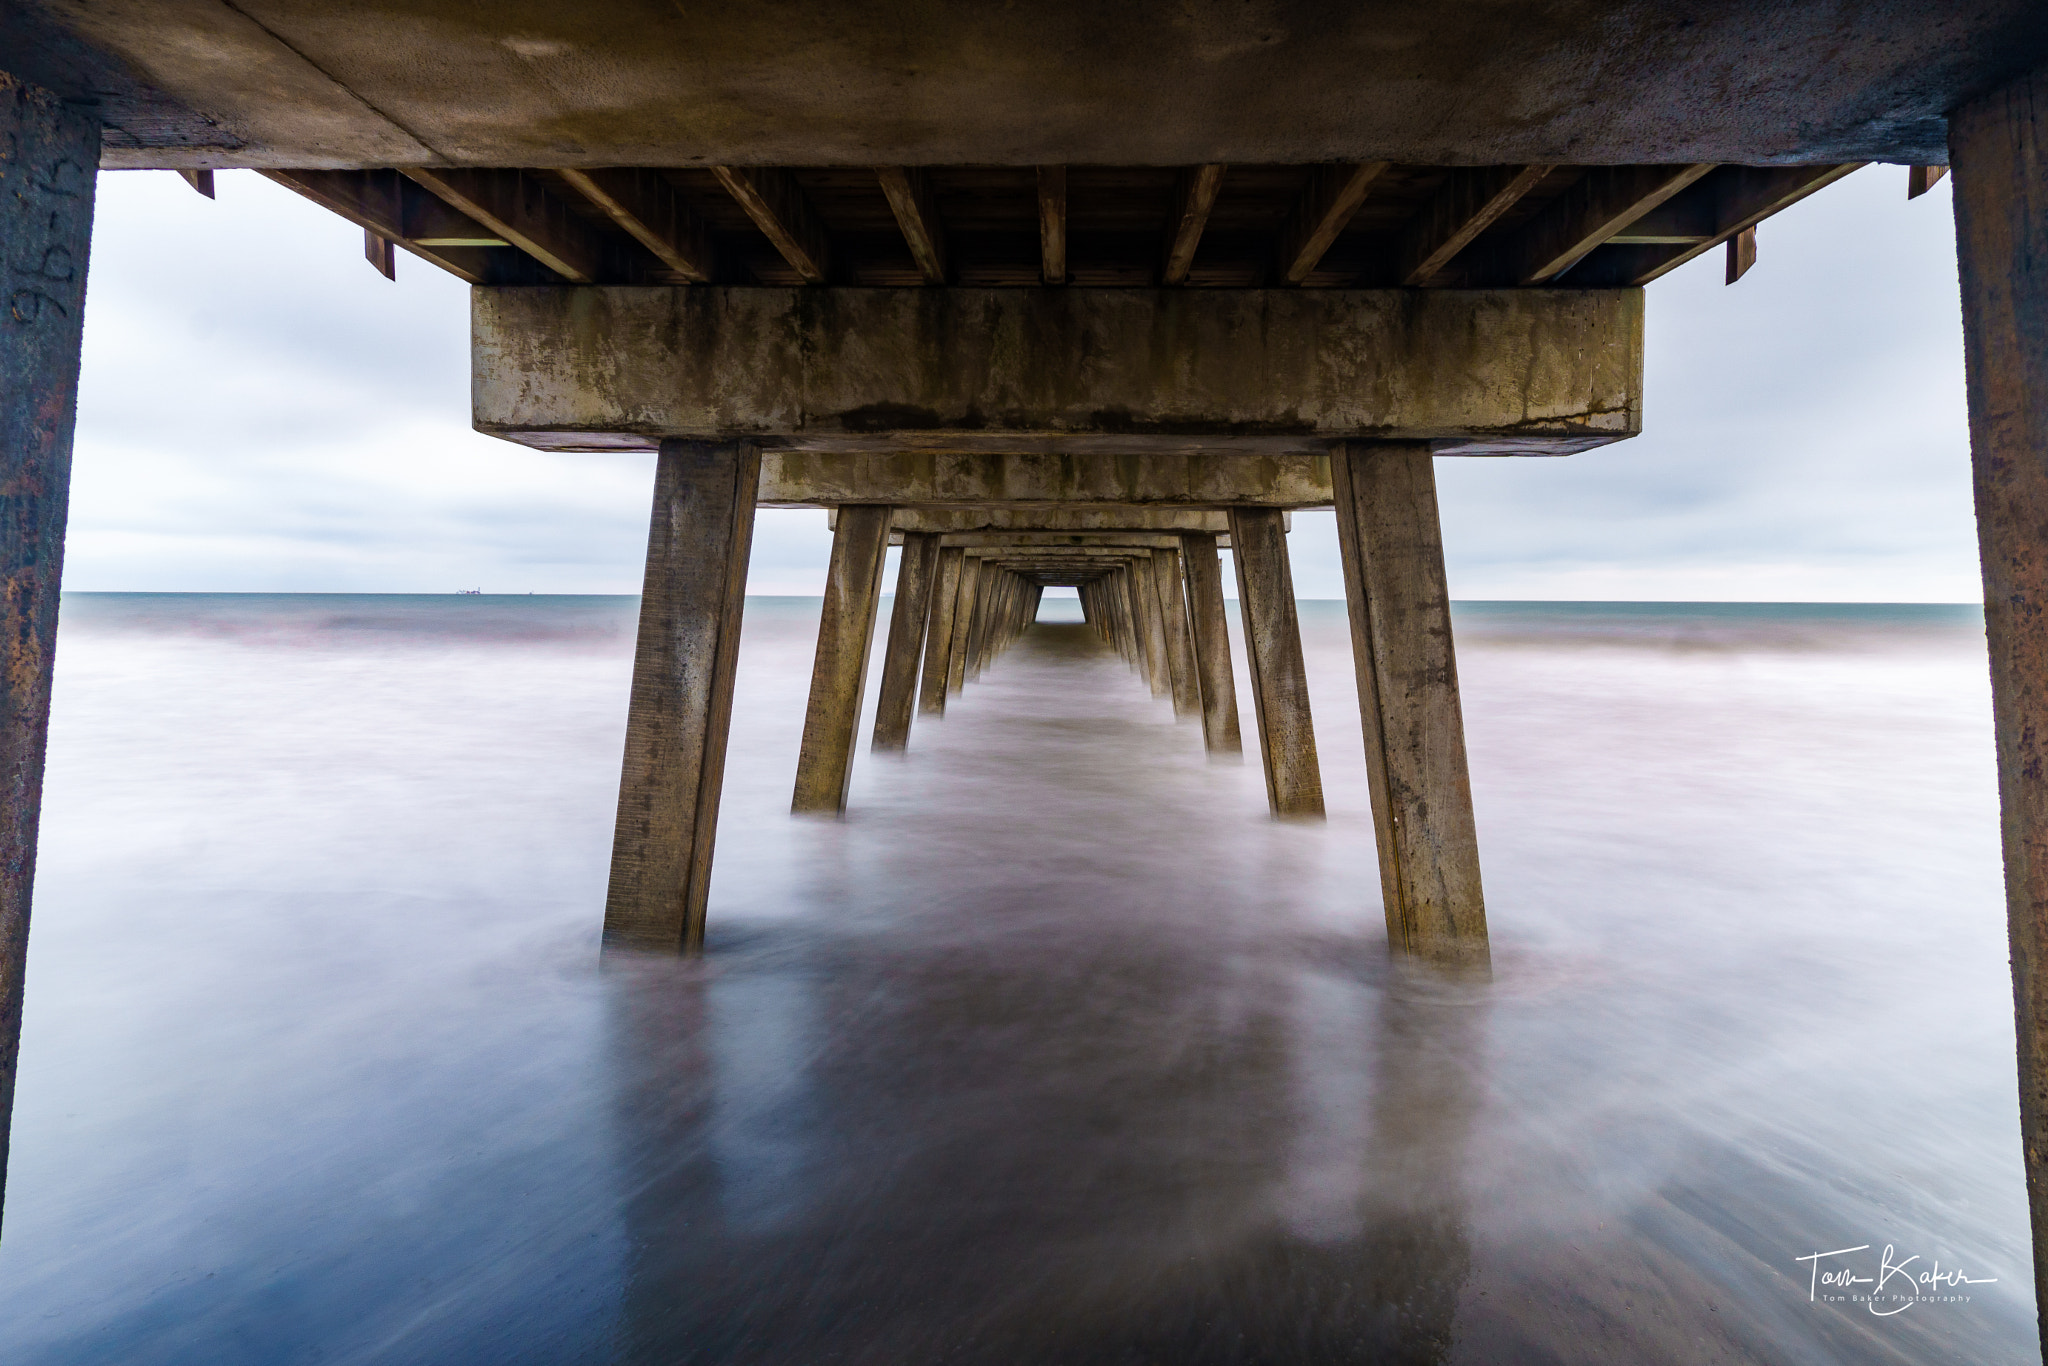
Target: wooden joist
pixel 1195 196
pixel 773 200
pixel 516 206
pixel 1921 179
pixel 389 206
pixel 910 199
pixel 1725 204
pixel 647 206
pixel 1471 201
pixel 1052 224
pixel 1604 202
pixel 1326 206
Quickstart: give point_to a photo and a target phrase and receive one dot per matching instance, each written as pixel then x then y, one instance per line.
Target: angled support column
pixel 963 624
pixel 1272 636
pixel 1408 704
pixel 938 650
pixel 49 160
pixel 846 629
pixel 1998 145
pixel 1151 626
pixel 1180 650
pixel 1209 628
pixel 907 617
pixel 978 620
pixel 698 539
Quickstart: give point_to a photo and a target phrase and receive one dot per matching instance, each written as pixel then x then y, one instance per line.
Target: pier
pixel 1049 298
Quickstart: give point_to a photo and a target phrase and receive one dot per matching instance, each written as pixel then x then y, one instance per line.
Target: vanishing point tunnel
pixel 1057 294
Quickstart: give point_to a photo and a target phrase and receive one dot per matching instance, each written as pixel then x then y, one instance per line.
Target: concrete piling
pixel 1400 610
pixel 908 616
pixel 938 650
pixel 963 624
pixel 1272 632
pixel 1209 629
pixel 1180 654
pixel 49 163
pixel 698 539
pixel 853 588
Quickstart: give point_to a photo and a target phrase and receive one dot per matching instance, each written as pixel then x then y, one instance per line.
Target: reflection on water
pixel 1056 1050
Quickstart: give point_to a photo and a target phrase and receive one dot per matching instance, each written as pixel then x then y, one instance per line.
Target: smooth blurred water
pixel 1055 1050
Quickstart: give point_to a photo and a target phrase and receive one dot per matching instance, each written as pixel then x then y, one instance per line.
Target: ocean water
pixel 1056 1049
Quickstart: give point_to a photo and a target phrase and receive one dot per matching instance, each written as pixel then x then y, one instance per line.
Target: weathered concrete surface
pixel 1272 634
pixel 1052 484
pixel 1061 371
pixel 963 625
pixel 907 617
pixel 1210 632
pixel 2000 154
pixel 839 674
pixel 1146 82
pixel 931 692
pixel 698 538
pixel 1150 519
pixel 48 156
pixel 1400 607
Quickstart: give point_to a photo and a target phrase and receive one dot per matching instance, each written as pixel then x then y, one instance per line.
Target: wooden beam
pixel 1326 206
pixel 1052 223
pixel 910 199
pixel 773 200
pixel 377 250
pixel 1469 203
pixel 1733 199
pixel 648 207
pixel 1921 179
pixel 1741 254
pixel 384 203
pixel 1603 202
pixel 202 181
pixel 1195 198
pixel 517 207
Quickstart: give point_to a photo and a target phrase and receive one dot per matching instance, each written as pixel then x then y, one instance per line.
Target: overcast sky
pixel 261 411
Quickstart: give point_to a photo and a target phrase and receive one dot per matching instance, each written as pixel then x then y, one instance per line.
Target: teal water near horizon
pixel 1056 1049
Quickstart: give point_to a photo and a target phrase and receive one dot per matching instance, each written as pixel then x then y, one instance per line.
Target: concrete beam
pixel 1067 518
pixel 1273 372
pixel 1050 482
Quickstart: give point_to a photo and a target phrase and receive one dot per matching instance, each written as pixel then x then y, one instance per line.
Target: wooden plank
pixel 49 159
pixel 938 650
pixel 1921 179
pixel 1998 145
pixel 648 207
pixel 1052 224
pixel 1600 204
pixel 378 251
pixel 1272 632
pixel 378 202
pixel 1210 629
pixel 1400 610
pixel 773 200
pixel 1470 202
pixel 846 630
pixel 202 181
pixel 1194 197
pixel 1737 199
pixel 1326 206
pixel 698 540
pixel 1741 254
pixel 917 214
pixel 517 207
pixel 907 618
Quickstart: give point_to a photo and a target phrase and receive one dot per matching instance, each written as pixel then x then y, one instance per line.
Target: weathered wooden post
pixel 1210 628
pixel 1272 636
pixel 1180 654
pixel 49 163
pixel 963 623
pixel 1998 146
pixel 853 588
pixel 1400 606
pixel 907 617
pixel 938 650
pixel 698 537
